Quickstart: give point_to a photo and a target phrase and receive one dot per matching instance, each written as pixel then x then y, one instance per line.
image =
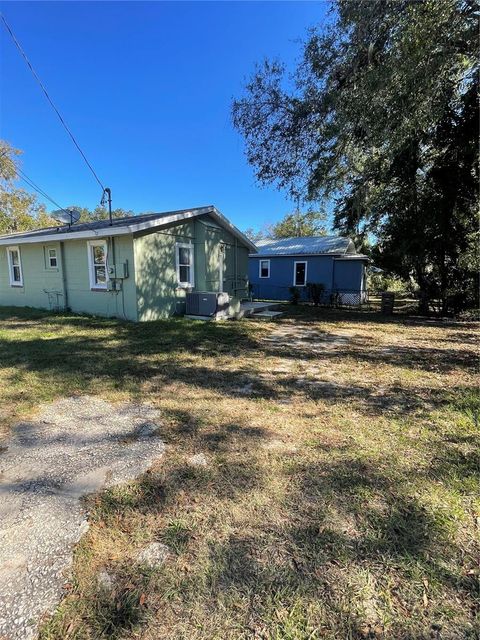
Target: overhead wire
pixel 23 176
pixel 35 75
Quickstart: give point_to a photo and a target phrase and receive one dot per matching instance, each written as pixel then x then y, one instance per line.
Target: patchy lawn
pixel 340 495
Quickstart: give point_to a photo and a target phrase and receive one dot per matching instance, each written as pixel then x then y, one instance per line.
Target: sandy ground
pixel 76 446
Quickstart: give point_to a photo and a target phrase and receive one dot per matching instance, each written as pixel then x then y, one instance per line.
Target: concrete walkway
pixel 76 446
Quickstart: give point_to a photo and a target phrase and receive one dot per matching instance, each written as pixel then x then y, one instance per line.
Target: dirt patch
pixel 301 338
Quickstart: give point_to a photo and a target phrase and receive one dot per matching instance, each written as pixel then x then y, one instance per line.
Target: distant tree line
pixel 293 224
pixel 381 116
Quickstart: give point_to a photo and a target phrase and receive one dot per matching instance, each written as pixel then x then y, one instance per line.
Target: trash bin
pixel 388 301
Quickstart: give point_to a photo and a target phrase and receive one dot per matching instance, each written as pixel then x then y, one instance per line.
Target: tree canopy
pixel 293 224
pixel 381 116
pixel 309 223
pixel 19 210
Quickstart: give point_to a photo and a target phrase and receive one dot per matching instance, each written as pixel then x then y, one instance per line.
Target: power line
pixel 41 192
pixel 29 64
pixel 23 176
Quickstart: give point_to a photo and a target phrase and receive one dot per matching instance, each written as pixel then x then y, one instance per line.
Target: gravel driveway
pixel 76 446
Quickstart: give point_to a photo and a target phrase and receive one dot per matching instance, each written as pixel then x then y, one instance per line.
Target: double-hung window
pixel 97 264
pixel 184 260
pixel 264 269
pixel 51 258
pixel 14 267
pixel 299 274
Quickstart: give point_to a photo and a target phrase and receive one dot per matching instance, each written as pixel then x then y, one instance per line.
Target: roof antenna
pixel 67 216
pixel 107 191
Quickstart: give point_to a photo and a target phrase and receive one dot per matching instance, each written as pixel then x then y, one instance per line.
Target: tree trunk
pixel 424 298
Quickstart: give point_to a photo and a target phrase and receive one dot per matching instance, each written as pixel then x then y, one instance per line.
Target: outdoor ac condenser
pixel 207 303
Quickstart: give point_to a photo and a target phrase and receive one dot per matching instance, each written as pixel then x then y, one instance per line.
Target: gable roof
pixel 312 245
pixel 123 226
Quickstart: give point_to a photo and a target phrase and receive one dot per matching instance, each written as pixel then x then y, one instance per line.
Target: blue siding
pixel 348 275
pixel 339 275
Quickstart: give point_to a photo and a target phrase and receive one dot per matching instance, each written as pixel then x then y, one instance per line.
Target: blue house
pixel 294 262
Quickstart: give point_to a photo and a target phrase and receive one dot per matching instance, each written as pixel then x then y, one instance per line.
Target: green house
pixel 137 268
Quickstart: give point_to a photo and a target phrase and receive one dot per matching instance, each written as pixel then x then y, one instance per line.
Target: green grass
pixel 341 496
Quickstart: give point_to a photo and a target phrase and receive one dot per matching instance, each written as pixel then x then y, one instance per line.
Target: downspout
pixel 115 291
pixel 235 267
pixel 64 275
pixel 113 251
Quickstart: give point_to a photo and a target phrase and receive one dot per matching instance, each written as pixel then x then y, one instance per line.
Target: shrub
pixel 294 295
pixel 315 291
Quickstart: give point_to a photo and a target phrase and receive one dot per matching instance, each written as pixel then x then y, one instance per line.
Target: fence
pixel 404 302
pixel 327 297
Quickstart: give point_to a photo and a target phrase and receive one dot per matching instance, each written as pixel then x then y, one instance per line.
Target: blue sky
pixel 146 88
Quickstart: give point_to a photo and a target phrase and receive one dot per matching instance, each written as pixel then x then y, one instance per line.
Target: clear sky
pixel 146 88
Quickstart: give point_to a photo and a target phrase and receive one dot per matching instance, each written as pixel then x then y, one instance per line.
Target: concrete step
pixel 265 315
pixel 248 309
pixel 216 318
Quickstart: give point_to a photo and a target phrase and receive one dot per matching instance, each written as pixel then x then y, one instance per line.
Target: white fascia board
pixel 166 220
pixel 212 211
pixel 89 234
pixel 106 232
pixel 217 215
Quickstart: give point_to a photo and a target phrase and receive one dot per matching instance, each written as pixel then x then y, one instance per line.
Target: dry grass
pixel 340 499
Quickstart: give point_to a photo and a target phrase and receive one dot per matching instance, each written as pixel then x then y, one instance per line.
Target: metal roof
pixel 122 226
pixel 311 245
pixel 353 256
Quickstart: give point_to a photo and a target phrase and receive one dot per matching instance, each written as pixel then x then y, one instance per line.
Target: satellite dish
pixel 67 216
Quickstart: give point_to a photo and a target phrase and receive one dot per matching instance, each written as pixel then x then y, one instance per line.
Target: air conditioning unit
pixel 207 303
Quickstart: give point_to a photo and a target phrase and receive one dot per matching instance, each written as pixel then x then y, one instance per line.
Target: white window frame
pixel 50 258
pixel 260 268
pixel 13 282
pixel 94 285
pixel 305 262
pixel 191 283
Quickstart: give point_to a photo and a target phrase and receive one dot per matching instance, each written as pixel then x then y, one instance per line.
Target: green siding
pixel 81 299
pixel 72 269
pixel 235 260
pixel 158 294
pixel 149 292
pixel 37 279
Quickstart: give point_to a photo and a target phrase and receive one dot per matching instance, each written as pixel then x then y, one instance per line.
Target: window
pixel 264 269
pixel 52 258
pixel 184 255
pixel 97 264
pixel 299 274
pixel 14 267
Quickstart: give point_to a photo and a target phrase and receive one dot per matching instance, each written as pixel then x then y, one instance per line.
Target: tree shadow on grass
pixel 129 354
pixel 308 313
pixel 343 514
pixel 71 364
pixel 334 534
pixel 115 612
pixel 340 518
pixel 322 346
